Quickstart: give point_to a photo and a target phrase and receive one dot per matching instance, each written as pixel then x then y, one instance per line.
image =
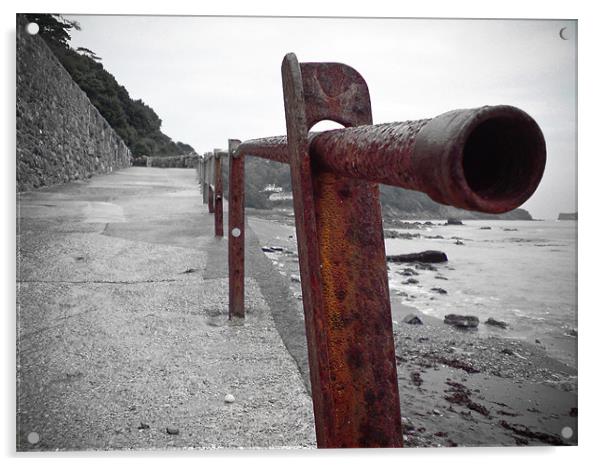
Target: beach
pixel 480 387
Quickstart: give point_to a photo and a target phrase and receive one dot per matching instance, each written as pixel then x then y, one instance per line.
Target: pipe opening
pixel 503 158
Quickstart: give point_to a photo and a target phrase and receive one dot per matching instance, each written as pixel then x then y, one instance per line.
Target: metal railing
pixel 488 159
pixel 211 181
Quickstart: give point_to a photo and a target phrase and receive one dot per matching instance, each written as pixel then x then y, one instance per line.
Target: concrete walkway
pixel 123 331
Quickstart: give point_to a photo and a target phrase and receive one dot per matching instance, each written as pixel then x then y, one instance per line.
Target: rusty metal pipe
pixel 489 159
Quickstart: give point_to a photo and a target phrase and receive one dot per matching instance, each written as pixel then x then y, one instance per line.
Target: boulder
pixel 454 221
pixel 410 281
pixel 412 319
pixel 423 266
pixel 424 256
pixel 399 235
pixel 439 290
pixel 461 321
pixel 496 323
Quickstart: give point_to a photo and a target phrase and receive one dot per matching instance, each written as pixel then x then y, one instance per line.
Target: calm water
pixel 526 277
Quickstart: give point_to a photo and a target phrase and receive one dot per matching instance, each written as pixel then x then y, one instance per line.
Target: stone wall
pixel 175 161
pixel 61 136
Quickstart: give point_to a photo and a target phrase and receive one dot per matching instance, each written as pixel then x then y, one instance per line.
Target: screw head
pixel 32 28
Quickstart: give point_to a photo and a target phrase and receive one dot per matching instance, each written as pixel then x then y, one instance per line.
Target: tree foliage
pixel 135 122
pixel 88 53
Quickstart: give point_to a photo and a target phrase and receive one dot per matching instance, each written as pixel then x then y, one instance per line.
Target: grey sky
pixel 210 79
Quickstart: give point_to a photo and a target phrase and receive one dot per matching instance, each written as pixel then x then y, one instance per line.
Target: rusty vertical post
pixel 236 231
pixel 343 268
pixel 211 187
pixel 200 173
pixel 205 187
pixel 218 195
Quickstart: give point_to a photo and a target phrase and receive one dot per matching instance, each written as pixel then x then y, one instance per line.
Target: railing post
pixel 218 194
pixel 236 231
pixel 200 172
pixel 211 180
pixel 343 268
pixel 205 179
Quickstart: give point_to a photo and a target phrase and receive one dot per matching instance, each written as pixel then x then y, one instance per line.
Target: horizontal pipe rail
pixel 489 159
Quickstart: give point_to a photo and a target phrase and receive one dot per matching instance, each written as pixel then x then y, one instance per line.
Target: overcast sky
pixel 210 79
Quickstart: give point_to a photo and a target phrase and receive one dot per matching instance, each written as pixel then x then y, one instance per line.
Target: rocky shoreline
pixel 458 386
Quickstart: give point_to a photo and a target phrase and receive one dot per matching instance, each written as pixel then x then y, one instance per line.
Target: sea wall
pixel 61 136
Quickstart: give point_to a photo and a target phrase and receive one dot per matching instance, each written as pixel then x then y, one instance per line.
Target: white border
pixel 589 210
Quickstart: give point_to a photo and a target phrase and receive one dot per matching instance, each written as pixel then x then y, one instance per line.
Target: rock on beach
pixel 424 256
pixel 454 221
pixel 496 323
pixel 412 319
pixel 461 321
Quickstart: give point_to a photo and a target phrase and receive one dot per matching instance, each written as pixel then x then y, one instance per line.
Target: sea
pixel 521 272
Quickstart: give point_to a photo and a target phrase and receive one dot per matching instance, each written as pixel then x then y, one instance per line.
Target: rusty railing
pixel 210 178
pixel 488 159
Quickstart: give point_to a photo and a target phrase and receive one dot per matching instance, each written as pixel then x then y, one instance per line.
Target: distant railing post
pixel 236 231
pixel 205 179
pixel 200 173
pixel 218 195
pixel 211 180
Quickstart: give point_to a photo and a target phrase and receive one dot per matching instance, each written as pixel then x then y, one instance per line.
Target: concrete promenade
pixel 123 332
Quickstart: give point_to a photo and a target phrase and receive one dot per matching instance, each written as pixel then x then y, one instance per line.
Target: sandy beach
pixel 457 387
